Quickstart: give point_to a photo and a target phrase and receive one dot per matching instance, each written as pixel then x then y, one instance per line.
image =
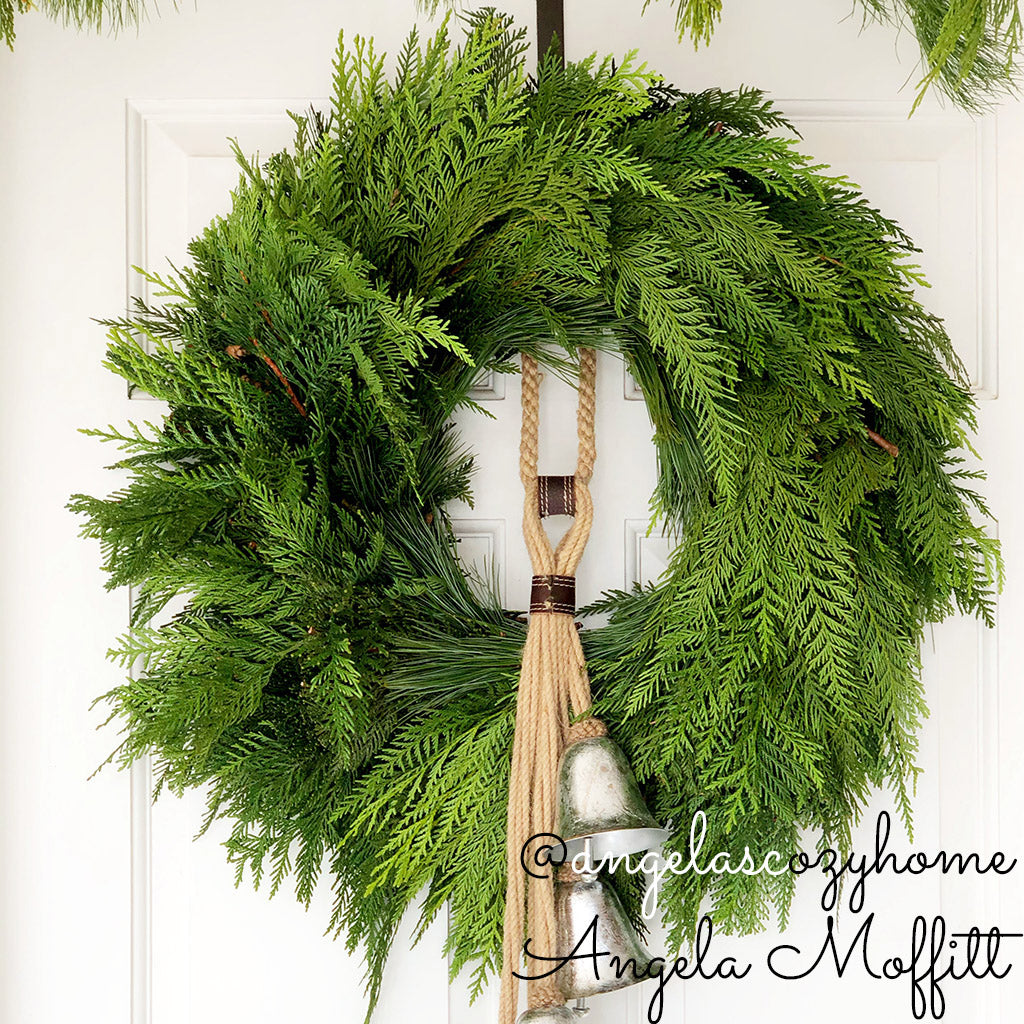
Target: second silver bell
pixel 591 920
pixel 551 1015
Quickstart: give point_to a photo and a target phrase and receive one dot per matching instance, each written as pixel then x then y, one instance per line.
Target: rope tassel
pixel 553 689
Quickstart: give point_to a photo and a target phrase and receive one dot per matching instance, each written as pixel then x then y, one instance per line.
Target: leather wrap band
pixel 553 594
pixel 556 495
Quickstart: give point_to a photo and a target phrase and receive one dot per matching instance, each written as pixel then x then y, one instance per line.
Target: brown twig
pixel 882 443
pixel 236 352
pixel 283 379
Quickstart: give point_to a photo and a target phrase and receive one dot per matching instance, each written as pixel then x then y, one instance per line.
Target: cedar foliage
pixel 968 47
pixel 98 15
pixel 342 689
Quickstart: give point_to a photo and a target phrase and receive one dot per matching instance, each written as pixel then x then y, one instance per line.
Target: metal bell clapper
pixel 552 1015
pixel 600 809
pixel 583 903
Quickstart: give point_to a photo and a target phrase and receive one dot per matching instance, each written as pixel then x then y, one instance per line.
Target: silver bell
pixel 600 809
pixel 552 1015
pixel 581 901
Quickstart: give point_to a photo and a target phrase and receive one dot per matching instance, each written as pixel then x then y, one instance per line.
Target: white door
pixel 113 152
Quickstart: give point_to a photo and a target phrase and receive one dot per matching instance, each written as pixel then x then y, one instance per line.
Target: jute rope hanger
pixel 554 686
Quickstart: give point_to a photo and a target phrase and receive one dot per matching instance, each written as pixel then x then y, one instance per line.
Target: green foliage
pixel 344 690
pixel 969 48
pixel 99 15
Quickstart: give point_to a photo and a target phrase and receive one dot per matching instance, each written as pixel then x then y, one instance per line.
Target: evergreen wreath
pixel 342 688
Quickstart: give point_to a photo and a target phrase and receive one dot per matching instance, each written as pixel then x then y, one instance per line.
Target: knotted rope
pixel 553 680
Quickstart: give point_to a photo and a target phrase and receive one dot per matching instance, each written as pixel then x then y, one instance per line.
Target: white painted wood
pixel 647 552
pixel 481 549
pixel 490 387
pixel 181 169
pixel 113 154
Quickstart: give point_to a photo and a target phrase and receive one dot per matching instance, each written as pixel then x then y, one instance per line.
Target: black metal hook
pixel 550 26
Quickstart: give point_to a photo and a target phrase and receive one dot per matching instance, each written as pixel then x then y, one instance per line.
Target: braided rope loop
pixel 553 682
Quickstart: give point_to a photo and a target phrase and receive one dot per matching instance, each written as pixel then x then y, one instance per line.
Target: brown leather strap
pixel 556 495
pixel 553 594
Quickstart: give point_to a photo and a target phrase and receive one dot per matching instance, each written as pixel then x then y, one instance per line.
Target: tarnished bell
pixel 577 903
pixel 551 1015
pixel 599 801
